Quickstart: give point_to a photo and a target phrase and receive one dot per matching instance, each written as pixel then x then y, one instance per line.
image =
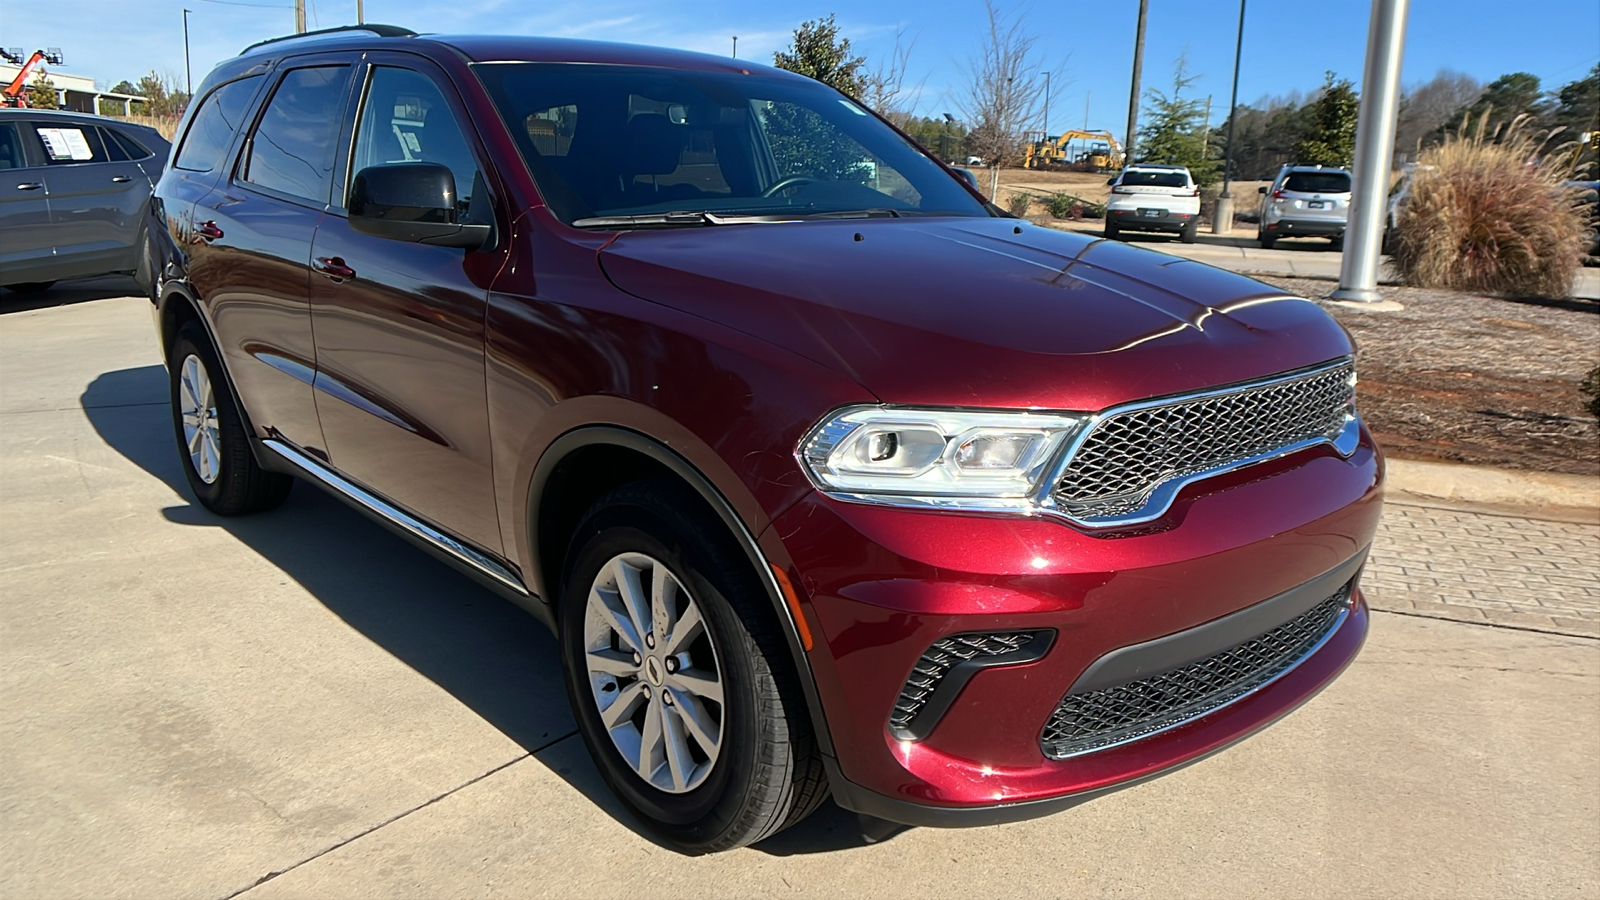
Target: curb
pixel 1571 497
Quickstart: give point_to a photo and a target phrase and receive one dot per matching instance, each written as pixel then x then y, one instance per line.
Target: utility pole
pixel 1086 96
pixel 1222 216
pixel 1205 135
pixel 1138 69
pixel 736 46
pixel 188 79
pixel 1380 102
pixel 1047 106
pixel 361 14
pixel 299 16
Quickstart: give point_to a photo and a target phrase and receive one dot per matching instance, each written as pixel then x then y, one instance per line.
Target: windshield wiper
pixel 674 218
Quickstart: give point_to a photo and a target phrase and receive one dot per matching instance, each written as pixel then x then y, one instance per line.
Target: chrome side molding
pixel 462 552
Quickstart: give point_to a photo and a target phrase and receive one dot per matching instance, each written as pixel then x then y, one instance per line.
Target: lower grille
pixel 936 663
pixel 1095 720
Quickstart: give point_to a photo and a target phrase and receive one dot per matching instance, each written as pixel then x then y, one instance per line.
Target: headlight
pixel 928 457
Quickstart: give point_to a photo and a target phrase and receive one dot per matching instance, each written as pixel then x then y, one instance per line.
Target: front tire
pixel 212 443
pixel 679 676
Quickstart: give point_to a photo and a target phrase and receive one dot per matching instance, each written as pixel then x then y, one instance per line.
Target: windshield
pixel 1317 183
pixel 605 141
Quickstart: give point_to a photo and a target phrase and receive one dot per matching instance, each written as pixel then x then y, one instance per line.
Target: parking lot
pixel 299 704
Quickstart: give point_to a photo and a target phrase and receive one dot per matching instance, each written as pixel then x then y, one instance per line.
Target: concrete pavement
pixel 298 704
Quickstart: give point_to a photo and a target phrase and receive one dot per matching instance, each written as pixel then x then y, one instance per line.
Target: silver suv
pixel 1305 201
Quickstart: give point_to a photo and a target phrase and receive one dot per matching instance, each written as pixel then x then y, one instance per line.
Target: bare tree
pixel 1433 106
pixel 884 87
pixel 1003 94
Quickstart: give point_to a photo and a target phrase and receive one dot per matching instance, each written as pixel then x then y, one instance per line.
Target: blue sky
pixel 1088 46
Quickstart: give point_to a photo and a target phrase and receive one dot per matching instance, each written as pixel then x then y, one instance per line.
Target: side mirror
pixel 1111 180
pixel 413 202
pixel 1261 190
pixel 969 177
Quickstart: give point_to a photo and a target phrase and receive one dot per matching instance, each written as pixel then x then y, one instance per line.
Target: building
pixel 74 92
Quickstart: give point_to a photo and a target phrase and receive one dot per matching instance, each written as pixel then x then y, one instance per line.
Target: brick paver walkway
pixel 1495 569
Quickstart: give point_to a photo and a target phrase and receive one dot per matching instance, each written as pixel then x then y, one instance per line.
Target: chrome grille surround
pixel 1129 463
pixel 1100 719
pixel 936 663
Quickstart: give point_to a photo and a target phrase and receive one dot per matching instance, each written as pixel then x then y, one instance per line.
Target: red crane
pixel 16 93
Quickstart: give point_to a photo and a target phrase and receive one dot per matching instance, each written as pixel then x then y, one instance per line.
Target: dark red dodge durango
pixel 829 475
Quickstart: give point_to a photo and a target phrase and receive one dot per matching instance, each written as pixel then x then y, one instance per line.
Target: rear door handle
pixel 30 186
pixel 121 179
pixel 208 231
pixel 333 267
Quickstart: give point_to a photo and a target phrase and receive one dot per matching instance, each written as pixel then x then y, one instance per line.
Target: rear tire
pixel 212 444
pixel 1112 232
pixel 30 287
pixel 1267 242
pixel 694 791
pixel 1337 242
pixel 1190 229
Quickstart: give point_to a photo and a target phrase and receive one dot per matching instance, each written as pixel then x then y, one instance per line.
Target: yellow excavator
pixel 1103 154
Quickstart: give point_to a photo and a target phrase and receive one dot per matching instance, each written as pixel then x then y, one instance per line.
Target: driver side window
pixel 405 119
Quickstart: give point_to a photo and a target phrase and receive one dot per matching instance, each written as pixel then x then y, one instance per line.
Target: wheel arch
pixel 582 464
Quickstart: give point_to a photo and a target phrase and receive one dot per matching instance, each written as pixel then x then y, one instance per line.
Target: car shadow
pixel 66 293
pixel 490 655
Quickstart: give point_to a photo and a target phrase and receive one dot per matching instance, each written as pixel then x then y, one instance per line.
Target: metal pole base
pixel 1222 217
pixel 1363 299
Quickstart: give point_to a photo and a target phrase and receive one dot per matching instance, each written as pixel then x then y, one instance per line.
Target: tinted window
pixel 66 144
pixel 605 140
pixel 291 150
pixel 1156 179
pixel 1317 182
pixel 11 155
pixel 132 148
pixel 214 125
pixel 406 119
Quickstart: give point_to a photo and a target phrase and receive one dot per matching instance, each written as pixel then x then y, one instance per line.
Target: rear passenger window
pixel 214 126
pixel 11 155
pixel 291 151
pixel 66 145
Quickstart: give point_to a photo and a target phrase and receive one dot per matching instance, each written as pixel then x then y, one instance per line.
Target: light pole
pixel 1138 69
pixel 1380 101
pixel 361 13
pixel 188 79
pixel 1222 218
pixel 736 46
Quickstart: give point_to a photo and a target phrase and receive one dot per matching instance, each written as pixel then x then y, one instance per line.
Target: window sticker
pixel 66 143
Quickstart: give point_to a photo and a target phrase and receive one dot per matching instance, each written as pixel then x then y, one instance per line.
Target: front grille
pixel 1130 453
pixel 1095 720
pixel 936 663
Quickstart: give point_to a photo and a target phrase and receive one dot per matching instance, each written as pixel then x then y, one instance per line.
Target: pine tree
pixel 1173 134
pixel 42 92
pixel 1330 136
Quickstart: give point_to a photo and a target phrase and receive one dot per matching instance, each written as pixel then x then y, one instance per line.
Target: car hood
pixel 979 312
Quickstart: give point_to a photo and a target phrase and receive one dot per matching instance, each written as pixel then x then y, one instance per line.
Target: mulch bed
pixel 1465 378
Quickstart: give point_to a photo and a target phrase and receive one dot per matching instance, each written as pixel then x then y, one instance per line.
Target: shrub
pixel 1063 205
pixel 1018 204
pixel 1490 214
pixel 1591 386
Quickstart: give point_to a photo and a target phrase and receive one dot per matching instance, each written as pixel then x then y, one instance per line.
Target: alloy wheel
pixel 198 406
pixel 653 672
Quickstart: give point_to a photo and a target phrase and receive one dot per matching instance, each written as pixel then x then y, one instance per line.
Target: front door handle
pixel 30 186
pixel 121 179
pixel 208 231
pixel 333 267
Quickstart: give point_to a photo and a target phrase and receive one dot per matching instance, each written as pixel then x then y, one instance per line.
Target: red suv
pixel 828 475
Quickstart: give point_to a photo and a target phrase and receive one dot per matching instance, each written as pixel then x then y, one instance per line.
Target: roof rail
pixel 379 30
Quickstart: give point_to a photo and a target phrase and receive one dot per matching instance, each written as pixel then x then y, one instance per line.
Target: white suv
pixel 1305 201
pixel 1153 198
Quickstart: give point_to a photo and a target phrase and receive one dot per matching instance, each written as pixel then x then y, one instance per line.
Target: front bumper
pixel 881 585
